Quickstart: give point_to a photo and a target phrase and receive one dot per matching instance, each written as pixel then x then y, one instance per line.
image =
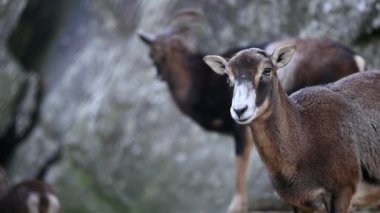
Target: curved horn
pixel 183 19
pixel 188 14
pixel 148 39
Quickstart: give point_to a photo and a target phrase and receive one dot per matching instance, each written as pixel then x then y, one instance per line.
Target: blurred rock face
pixel 127 147
pixel 16 86
pixel 11 77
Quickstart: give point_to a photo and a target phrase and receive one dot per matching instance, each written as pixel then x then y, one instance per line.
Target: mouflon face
pixel 160 48
pixel 252 73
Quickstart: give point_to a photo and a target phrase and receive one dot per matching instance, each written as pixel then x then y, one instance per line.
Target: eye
pixel 267 71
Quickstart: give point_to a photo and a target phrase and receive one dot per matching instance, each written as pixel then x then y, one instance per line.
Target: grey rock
pixel 16 85
pixel 127 148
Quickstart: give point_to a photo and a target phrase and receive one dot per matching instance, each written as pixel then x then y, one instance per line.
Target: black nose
pixel 240 111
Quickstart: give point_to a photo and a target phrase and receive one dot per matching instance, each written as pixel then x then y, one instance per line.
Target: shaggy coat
pixel 320 142
pixel 205 96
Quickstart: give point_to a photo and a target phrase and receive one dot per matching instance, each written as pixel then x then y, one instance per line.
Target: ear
pixel 217 63
pixel 282 55
pixel 148 39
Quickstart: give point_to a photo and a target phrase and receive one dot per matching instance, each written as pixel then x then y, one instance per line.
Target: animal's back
pixel 357 95
pixel 363 88
pixel 308 68
pixel 341 121
pixel 346 116
pixel 363 92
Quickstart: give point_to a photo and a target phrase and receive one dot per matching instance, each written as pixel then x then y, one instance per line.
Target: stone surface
pixel 12 78
pixel 16 85
pixel 127 148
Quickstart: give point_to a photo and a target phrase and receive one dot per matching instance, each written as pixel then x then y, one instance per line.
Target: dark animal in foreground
pixel 31 196
pixel 322 142
pixel 205 96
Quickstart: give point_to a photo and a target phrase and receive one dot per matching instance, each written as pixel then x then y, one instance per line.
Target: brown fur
pixel 320 139
pixel 15 199
pixel 317 61
pixel 205 96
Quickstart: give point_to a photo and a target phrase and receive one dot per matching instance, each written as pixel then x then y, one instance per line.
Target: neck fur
pixel 275 135
pixel 179 76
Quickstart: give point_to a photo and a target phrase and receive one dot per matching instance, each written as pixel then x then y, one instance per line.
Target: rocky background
pixel 123 144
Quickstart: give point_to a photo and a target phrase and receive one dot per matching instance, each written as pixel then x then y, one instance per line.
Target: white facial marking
pixel 243 108
pixel 33 203
pixel 54 204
